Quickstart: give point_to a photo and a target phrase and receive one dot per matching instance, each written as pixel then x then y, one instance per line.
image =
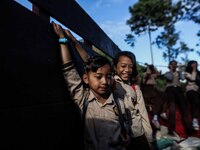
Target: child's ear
pixel 85 78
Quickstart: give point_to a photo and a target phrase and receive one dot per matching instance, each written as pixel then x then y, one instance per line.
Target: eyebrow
pixel 126 64
pixel 99 73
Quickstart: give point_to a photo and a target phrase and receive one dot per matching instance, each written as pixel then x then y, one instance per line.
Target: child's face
pixel 173 66
pixel 194 66
pixel 99 81
pixel 124 68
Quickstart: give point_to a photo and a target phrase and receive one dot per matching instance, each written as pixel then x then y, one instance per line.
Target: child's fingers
pixel 55 26
pixel 67 32
pixel 58 30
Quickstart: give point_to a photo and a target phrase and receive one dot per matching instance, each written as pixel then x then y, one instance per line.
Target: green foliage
pixel 160 83
pixel 140 68
pixel 191 10
pixel 149 15
pixel 167 41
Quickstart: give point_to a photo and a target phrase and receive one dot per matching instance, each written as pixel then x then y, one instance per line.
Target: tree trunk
pixel 151 50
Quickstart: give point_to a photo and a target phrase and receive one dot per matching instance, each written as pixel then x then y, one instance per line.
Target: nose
pixel 105 80
pixel 128 69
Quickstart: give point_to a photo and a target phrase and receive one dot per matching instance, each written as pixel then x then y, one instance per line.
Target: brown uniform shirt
pixel 149 77
pixel 134 104
pixel 102 127
pixel 191 85
pixel 175 78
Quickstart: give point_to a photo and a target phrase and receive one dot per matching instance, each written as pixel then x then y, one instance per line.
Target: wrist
pixel 62 40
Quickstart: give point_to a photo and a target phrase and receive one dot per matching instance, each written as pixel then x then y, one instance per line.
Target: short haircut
pixel 172 61
pixel 95 62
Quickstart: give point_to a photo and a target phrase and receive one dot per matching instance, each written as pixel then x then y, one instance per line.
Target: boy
pixel 98 106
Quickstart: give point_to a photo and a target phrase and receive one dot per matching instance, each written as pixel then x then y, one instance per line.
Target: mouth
pixel 103 88
pixel 125 76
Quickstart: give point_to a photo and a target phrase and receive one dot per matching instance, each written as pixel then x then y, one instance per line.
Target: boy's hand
pixel 70 36
pixel 58 30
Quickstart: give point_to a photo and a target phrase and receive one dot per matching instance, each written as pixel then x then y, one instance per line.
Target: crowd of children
pixel 184 97
pixel 115 108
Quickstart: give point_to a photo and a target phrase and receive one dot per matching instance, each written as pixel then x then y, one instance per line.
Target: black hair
pixel 189 66
pixel 151 67
pixel 95 62
pixel 173 61
pixel 129 55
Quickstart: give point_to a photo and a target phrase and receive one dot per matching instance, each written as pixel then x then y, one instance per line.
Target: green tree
pixel 184 50
pixel 172 47
pixel 148 15
pixel 167 42
pixel 191 12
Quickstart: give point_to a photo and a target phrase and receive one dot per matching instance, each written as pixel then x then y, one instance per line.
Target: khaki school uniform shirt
pixel 151 79
pixel 102 127
pixel 191 85
pixel 134 103
pixel 173 79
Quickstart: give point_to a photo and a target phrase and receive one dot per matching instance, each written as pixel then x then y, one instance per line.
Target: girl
pixel 193 78
pixel 140 128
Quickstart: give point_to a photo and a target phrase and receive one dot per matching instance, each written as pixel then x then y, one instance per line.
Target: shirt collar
pixel 109 101
pixel 118 79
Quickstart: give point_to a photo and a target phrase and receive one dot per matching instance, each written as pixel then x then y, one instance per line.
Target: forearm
pixel 74 84
pixel 189 77
pixel 65 53
pixel 82 52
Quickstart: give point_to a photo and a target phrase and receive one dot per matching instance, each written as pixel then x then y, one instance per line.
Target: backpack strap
pixel 121 118
pixel 85 106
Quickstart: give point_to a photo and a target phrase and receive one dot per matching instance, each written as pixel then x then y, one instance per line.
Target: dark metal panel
pixel 36 110
pixel 70 14
pixel 41 127
pixel 30 60
pixel 42 14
